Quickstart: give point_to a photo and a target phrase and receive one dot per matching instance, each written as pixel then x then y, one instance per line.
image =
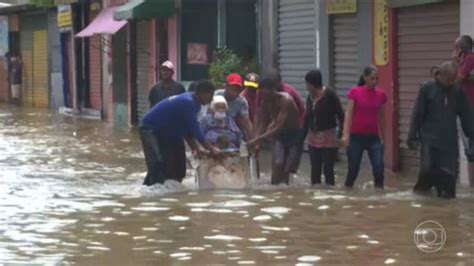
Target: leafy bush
pixel 225 62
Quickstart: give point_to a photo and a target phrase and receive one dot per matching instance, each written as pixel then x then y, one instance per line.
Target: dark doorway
pixel 133 74
pixel 241 20
pixel 14 43
pixel 81 45
pixel 199 26
pixel 119 76
pixel 162 45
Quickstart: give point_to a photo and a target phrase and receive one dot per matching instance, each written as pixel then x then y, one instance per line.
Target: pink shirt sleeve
pixel 351 94
pixel 466 67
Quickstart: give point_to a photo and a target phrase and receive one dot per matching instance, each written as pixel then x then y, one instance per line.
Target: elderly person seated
pixel 218 128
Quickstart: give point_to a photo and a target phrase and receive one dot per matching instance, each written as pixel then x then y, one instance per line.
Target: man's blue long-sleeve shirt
pixel 174 118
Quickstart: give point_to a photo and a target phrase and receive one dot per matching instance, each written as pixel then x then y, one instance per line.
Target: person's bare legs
pixel 279 158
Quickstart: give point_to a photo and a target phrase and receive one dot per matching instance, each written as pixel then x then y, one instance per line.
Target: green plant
pixel 225 62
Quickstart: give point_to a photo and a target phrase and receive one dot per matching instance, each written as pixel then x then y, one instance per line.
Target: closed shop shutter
pixel 40 68
pixel 34 50
pixel 346 68
pixel 143 67
pixel 425 38
pixel 95 70
pixel 297 40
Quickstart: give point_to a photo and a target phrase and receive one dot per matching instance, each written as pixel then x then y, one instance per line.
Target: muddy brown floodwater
pixel 70 193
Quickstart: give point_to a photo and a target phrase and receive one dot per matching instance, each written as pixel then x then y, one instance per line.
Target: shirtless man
pixel 280 122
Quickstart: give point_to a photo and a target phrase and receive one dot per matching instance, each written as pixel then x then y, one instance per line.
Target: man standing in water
pixel 279 120
pixel 16 79
pixel 465 58
pixel 433 124
pixel 300 105
pixel 165 126
pixel 166 87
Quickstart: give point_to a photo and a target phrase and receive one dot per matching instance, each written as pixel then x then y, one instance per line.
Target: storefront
pixel 223 23
pixel 34 51
pixel 151 25
pixel 298 40
pixel 350 43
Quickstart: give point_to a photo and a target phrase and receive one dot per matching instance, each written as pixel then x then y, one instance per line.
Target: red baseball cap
pixel 234 80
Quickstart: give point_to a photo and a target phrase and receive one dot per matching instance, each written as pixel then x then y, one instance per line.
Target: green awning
pixel 145 9
pixel 405 3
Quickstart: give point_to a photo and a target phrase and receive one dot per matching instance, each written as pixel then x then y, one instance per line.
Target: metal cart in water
pixel 237 170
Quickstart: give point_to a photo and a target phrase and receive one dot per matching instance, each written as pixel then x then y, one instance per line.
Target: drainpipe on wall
pixel 83 59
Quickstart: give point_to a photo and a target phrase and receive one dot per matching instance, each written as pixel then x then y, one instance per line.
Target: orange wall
pixel 95 71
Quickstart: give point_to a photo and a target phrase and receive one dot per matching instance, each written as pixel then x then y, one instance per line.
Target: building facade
pixel 404 39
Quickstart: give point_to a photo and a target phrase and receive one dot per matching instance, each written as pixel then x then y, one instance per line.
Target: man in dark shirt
pixel 166 87
pixel 433 124
pixel 16 79
pixel 167 124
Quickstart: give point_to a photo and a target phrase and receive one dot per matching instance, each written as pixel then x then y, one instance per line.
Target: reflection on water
pixel 71 193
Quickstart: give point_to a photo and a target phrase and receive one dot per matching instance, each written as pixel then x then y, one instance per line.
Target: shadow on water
pixel 71 193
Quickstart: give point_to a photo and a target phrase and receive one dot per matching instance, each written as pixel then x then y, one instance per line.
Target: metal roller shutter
pixel 346 69
pixel 143 67
pixel 40 69
pixel 425 38
pixel 297 40
pixel 34 49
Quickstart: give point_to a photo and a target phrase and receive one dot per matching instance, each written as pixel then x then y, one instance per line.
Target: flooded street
pixel 71 193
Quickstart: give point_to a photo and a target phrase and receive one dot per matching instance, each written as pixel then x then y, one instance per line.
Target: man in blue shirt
pixel 165 126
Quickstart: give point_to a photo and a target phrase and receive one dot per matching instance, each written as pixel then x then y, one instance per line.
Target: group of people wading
pixel 251 111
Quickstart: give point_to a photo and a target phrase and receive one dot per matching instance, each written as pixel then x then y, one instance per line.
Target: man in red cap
pixel 238 106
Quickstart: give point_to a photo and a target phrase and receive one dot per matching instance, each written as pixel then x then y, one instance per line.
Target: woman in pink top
pixel 362 127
